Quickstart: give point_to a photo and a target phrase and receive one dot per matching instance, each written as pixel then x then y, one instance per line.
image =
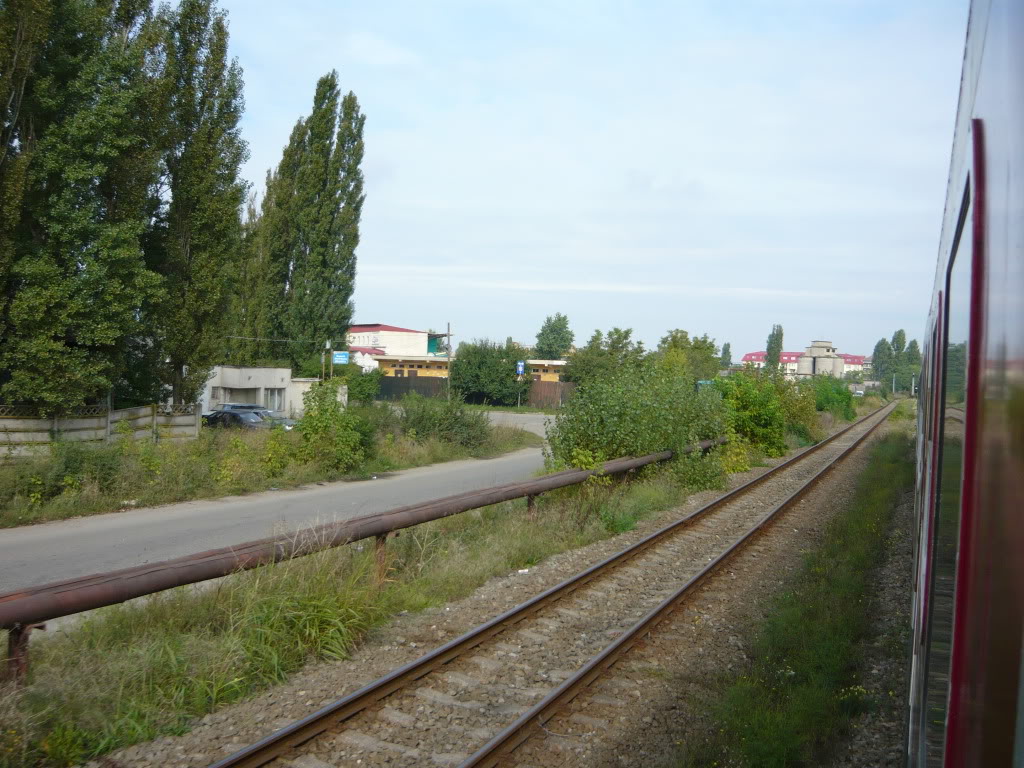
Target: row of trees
pixel 121 226
pixel 484 371
pixel 896 360
pixel 555 340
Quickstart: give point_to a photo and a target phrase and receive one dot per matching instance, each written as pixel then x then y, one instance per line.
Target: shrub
pixel 756 409
pixel 633 413
pixel 485 372
pixel 374 421
pixel 834 396
pixel 362 387
pixel 798 405
pixel 329 433
pixel 447 420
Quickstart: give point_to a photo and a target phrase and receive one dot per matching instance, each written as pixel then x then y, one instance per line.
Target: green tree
pixel 326 207
pixel 912 355
pixel 774 348
pixel 201 226
pixel 726 359
pixel 604 355
pixel 78 170
pixel 485 372
pixel 554 340
pixel 883 363
pixel 253 298
pixel 898 344
pixel 695 357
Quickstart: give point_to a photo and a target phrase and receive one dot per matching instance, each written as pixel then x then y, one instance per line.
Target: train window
pixel 946 528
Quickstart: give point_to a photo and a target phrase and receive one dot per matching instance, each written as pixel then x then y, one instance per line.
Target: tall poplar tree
pixel 883 363
pixel 253 298
pixel 201 227
pixel 78 165
pixel 308 230
pixel 726 359
pixel 774 348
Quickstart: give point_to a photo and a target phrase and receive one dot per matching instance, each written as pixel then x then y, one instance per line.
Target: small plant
pixel 444 419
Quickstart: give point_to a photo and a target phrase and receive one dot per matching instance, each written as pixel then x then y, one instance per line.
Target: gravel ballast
pixel 522 664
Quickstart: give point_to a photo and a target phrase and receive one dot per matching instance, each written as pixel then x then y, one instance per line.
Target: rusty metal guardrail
pixel 22 610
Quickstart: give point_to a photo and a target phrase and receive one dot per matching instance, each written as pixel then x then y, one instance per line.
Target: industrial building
pixel 820 357
pixel 399 352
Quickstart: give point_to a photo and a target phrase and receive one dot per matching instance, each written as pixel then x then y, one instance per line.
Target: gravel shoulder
pixel 878 737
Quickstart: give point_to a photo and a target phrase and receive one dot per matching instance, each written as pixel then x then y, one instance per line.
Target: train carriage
pixel 967 699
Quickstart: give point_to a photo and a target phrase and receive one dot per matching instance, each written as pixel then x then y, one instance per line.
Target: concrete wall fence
pixel 24 432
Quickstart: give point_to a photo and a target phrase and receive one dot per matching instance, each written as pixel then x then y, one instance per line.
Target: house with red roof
pixel 820 357
pixel 787 360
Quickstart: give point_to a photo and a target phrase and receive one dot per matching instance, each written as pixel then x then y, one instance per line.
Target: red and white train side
pixel 967 698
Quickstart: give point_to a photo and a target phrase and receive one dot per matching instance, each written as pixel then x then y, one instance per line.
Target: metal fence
pixel 24 431
pixel 393 388
pixel 24 609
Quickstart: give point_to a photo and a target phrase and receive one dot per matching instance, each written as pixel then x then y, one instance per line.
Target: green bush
pixel 834 396
pixel 374 421
pixel 633 413
pixel 444 419
pixel 485 372
pixel 362 387
pixel 756 410
pixel 329 432
pixel 798 405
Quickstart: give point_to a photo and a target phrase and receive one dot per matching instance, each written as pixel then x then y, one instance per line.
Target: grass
pixel 800 692
pixel 85 479
pixel 905 410
pixel 133 672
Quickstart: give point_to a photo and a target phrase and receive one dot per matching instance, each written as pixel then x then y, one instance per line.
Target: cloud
pixel 725 165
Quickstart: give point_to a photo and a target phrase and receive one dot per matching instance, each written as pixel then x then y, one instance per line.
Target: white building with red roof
pixel 820 357
pixel 400 352
pixel 787 360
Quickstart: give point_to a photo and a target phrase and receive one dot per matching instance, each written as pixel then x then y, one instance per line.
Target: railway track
pixel 472 701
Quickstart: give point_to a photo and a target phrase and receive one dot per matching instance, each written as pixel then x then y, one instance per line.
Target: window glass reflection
pixel 946 535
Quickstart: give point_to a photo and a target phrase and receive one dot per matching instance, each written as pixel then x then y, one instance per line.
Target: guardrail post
pixel 17 651
pixel 380 556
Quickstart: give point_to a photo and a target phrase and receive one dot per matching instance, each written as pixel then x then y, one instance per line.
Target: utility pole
pixel 448 343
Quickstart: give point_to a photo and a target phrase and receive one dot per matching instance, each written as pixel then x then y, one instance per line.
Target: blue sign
pixel 340 358
pixel 520 367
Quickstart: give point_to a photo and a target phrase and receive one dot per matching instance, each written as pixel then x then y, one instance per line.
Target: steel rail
pixel 518 732
pixel 275 745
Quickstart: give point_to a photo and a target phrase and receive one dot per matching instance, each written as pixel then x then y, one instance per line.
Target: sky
pixel 699 164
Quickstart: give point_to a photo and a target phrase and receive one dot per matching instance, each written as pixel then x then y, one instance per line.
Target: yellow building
pixel 545 370
pixel 408 366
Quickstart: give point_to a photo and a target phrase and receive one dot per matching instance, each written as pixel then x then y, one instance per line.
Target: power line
pixel 257 338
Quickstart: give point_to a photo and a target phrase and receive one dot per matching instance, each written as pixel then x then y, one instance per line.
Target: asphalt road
pixel 66 549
